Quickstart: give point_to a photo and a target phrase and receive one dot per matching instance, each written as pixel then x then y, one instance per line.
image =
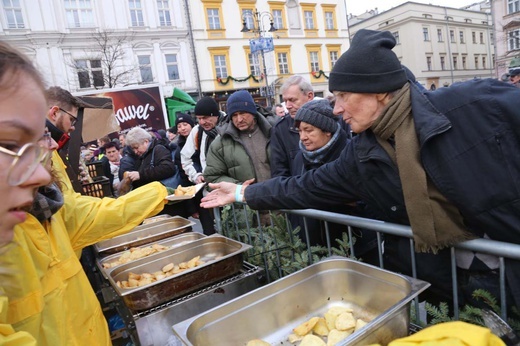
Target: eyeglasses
pixel 25 162
pixel 73 119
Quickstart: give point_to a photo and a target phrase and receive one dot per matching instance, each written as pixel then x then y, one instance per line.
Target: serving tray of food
pixel 144 234
pixel 337 301
pixel 148 282
pixel 105 264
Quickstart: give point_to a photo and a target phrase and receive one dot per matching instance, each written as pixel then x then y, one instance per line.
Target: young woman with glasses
pixel 22 118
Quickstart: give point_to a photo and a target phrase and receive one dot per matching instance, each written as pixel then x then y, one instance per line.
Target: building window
pixel 439 35
pixel 90 73
pixel 164 13
pixel 145 68
pixel 461 36
pixel 513 6
pixel 474 36
pixel 172 66
pixel 396 36
pixel 455 63
pixel 315 61
pixel 481 38
pixel 464 62
pixel 452 36
pixel 213 19
pixel 283 63
pixel 254 64
pixel 329 20
pixel 476 62
pixel 13 13
pixel 136 12
pixel 220 66
pixel 79 13
pixel 443 63
pixel 247 16
pixel 429 63
pixel 309 20
pixel 277 19
pixel 491 37
pixel 426 34
pixel 333 58
pixel 484 62
pixel 513 39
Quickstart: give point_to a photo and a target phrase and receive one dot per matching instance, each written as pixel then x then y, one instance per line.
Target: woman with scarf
pixel 21 170
pixel 322 139
pixel 51 297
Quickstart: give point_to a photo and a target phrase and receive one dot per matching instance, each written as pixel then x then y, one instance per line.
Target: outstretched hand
pixel 222 194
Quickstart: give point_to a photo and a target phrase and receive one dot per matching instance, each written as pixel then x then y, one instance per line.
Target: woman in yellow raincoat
pixel 22 113
pixel 53 299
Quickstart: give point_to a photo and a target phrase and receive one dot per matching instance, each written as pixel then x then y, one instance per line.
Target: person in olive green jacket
pixel 241 151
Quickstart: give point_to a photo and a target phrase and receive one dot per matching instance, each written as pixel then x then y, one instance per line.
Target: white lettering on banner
pixel 132 112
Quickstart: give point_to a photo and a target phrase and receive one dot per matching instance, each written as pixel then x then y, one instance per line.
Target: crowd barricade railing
pixel 240 220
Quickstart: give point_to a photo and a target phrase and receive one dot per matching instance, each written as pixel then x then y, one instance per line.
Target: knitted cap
pixel 241 101
pixel 317 113
pixel 207 106
pixel 184 118
pixel 369 65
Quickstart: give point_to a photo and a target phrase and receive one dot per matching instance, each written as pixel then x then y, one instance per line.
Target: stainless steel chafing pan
pixel 144 234
pixel 170 243
pixel 271 312
pixel 222 258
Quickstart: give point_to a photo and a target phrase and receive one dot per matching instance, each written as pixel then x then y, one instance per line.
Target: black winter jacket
pixel 469 135
pixel 164 166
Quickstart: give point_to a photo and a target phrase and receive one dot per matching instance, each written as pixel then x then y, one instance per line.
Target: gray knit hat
pixel 317 113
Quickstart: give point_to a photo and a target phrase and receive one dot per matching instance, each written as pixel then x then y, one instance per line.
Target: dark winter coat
pixel 285 141
pixel 127 162
pixel 228 159
pixel 469 135
pixel 163 164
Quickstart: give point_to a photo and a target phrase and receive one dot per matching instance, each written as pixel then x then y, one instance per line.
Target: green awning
pixel 182 96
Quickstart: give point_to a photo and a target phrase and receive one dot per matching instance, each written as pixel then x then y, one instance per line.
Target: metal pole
pixel 267 96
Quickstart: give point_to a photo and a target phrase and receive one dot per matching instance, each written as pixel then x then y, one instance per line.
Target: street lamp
pixel 261 44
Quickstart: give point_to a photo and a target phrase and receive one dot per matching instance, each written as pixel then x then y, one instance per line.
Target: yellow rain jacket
pixel 51 297
pixel 8 337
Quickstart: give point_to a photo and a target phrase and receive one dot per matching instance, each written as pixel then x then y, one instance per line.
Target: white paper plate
pixel 181 198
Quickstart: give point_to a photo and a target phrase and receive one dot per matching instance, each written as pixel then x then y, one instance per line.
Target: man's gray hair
pixel 137 136
pixel 304 85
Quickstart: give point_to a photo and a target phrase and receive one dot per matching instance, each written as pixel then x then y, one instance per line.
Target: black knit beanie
pixel 240 101
pixel 369 65
pixel 317 113
pixel 207 106
pixel 184 118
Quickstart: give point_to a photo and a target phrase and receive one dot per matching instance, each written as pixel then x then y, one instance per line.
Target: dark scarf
pixel 318 155
pixel 212 134
pixel 47 202
pixel 435 221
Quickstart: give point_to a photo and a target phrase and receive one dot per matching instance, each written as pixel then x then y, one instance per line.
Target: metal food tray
pixel 171 243
pixel 375 295
pixel 153 219
pixel 223 257
pixel 144 234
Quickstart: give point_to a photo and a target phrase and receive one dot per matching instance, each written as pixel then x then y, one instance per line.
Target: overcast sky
pixel 361 6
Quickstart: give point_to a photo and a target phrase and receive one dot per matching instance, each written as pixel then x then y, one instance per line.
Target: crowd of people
pixel 443 162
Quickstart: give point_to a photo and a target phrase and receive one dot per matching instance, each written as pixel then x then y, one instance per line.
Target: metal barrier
pixel 239 216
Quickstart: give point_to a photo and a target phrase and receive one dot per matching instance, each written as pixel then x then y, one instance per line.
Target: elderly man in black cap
pixel 445 162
